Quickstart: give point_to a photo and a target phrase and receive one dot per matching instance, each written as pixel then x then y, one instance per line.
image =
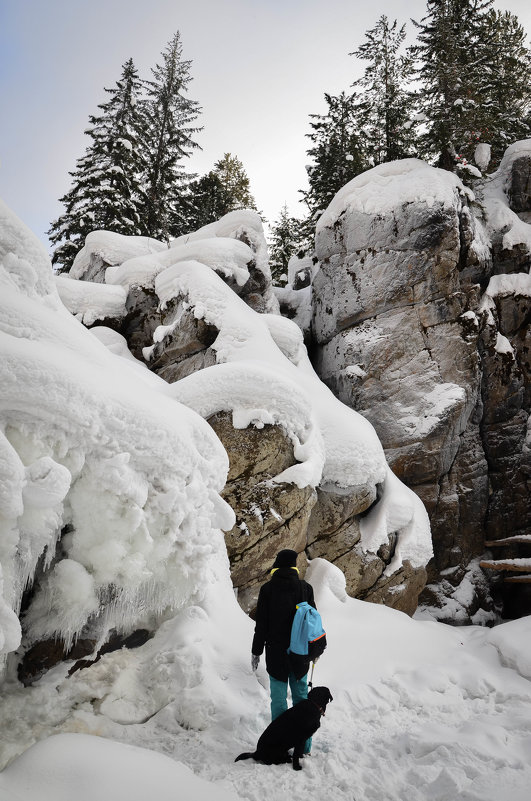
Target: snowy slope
pixel 421 712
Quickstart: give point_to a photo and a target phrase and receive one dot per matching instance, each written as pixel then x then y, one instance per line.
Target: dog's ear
pixel 330 696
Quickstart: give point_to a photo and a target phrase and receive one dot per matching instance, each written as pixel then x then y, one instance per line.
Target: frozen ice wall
pixel 109 499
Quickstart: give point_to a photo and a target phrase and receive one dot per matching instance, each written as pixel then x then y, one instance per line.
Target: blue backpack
pixel 308 637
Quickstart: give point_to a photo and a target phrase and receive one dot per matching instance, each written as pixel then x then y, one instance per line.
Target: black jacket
pixel 274 615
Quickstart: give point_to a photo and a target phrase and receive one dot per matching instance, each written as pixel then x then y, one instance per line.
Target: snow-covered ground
pixel 421 712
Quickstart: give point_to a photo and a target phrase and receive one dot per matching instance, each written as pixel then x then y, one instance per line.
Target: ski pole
pixel 311 677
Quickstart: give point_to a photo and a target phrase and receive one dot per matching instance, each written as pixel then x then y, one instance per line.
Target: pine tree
pixel 475 74
pixel 285 241
pixel 385 103
pixel 505 83
pixel 225 188
pixel 107 182
pixel 167 142
pixel 336 153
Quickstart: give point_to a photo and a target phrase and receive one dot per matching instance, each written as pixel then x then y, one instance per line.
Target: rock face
pixel 269 517
pixel 410 332
pixel 334 534
pixel 315 523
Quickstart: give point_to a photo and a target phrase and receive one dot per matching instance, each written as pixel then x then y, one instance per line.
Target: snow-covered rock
pixel 263 377
pixel 103 249
pixel 191 318
pixel 507 201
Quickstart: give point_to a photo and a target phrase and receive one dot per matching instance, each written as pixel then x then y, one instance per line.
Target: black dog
pixel 291 730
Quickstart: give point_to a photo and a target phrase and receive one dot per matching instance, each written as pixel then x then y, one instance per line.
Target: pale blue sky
pixel 260 67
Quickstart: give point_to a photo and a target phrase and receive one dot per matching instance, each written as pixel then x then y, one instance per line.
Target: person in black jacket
pixel 275 611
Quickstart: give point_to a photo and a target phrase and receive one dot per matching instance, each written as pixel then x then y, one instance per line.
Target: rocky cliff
pixel 421 322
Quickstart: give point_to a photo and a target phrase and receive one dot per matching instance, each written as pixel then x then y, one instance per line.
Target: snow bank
pixel 127 478
pixel 504 285
pixel 513 642
pixel 512 284
pixel 117 344
pixel 244 225
pixel 27 257
pixel 399 509
pixel 77 766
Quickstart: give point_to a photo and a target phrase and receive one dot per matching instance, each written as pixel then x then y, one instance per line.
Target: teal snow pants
pixel 279 698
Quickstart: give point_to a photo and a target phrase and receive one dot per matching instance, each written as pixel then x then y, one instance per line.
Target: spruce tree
pixel 225 188
pixel 475 73
pixel 336 153
pixel 235 183
pixel 167 142
pixel 285 241
pixel 385 102
pixel 107 181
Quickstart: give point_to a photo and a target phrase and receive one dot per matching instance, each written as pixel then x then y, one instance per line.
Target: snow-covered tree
pixel 385 100
pixel 167 142
pixel 107 189
pixel 284 242
pixel 475 74
pixel 225 188
pixel 336 152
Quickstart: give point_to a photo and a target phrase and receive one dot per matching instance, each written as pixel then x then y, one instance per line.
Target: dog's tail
pixel 246 755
